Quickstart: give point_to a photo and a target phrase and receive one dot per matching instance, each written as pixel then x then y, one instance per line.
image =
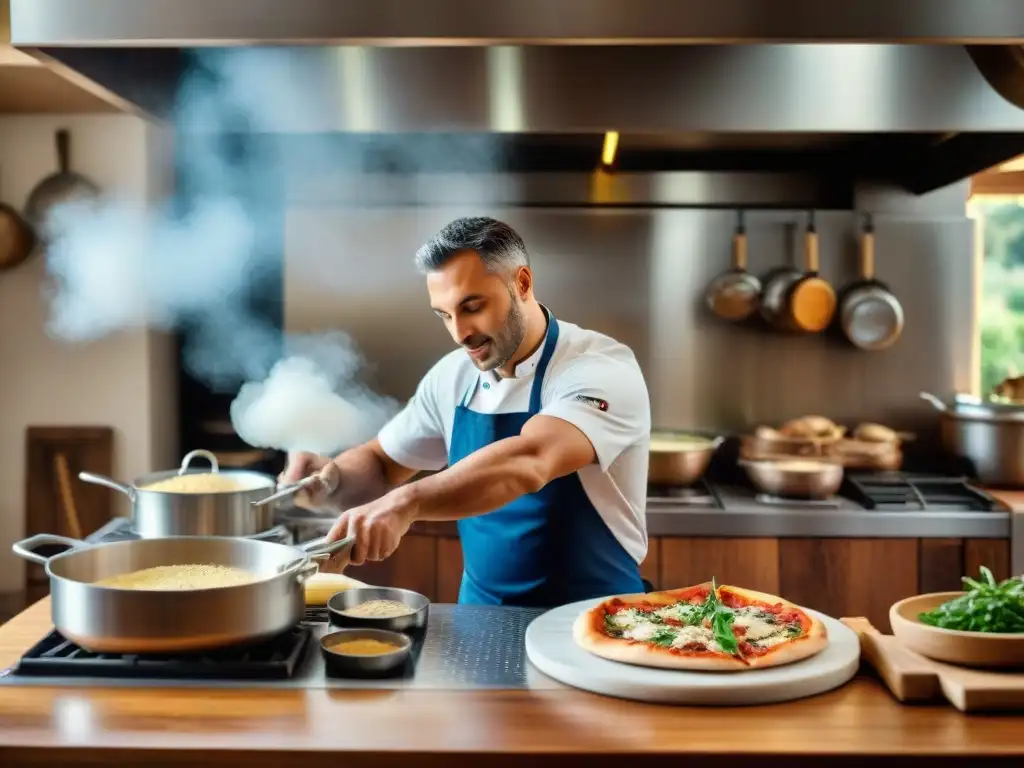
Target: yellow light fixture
pixel 611 147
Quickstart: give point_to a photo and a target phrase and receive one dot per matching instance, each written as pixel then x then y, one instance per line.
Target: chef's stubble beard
pixel 512 333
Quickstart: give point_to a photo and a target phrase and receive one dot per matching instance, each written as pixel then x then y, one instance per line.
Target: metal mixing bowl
pixel 345 664
pixel 410 622
pixel 775 478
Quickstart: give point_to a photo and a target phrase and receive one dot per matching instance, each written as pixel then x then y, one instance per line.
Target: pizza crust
pixel 588 633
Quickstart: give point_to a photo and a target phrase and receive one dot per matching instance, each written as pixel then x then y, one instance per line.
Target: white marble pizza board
pixel 551 648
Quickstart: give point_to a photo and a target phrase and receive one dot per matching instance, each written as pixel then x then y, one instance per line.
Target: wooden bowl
pixel 969 649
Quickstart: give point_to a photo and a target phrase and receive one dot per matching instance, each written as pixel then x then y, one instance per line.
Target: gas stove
pixel 860 491
pixel 278 658
pixel 464 647
pixel 700 494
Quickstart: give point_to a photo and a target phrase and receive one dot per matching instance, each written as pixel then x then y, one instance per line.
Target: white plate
pixel 552 649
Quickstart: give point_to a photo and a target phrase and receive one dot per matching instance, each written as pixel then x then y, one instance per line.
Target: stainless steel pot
pixel 776 478
pixel 681 458
pixel 989 435
pixel 156 514
pixel 114 620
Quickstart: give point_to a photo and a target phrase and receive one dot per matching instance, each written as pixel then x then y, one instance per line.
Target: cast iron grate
pixel 278 658
pixel 895 491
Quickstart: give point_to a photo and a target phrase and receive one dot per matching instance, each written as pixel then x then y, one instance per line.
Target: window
pixel 1000 252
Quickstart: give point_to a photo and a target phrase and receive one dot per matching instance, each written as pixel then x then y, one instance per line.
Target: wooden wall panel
pixel 940 565
pixel 751 563
pixel 650 568
pixel 412 566
pixel 849 577
pixel 449 569
pixel 992 553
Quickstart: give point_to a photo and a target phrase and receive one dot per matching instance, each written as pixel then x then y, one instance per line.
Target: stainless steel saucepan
pixel 989 434
pixel 118 620
pixel 679 458
pixel 157 514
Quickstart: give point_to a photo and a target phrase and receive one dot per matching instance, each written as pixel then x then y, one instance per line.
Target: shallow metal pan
pixel 114 620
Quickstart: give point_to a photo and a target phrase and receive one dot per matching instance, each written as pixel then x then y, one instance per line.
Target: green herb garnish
pixel 987 606
pixel 663 637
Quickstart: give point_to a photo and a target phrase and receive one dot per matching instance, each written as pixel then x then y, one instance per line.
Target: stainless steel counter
pixel 465 647
pixel 754 520
pixel 747 518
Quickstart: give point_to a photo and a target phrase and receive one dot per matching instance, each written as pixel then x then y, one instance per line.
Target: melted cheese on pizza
pixel 679 626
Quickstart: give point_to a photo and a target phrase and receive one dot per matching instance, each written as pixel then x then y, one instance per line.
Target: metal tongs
pixel 286 491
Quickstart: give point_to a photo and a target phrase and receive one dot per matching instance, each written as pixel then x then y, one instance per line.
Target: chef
pixel 543 426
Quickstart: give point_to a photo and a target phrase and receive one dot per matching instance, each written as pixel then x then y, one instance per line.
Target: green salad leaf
pixel 986 606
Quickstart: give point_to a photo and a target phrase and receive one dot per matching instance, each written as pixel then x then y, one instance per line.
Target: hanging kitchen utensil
pixel 776 285
pixel 735 294
pixel 810 302
pixel 57 189
pixel 871 316
pixel 17 240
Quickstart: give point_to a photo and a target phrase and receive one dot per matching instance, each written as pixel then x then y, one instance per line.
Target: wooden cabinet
pixel 839 577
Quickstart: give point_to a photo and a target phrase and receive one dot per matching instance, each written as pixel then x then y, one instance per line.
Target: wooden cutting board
pixel 56 501
pixel 914 678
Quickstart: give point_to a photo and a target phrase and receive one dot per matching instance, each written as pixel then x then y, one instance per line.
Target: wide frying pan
pixel 735 295
pixel 57 189
pixel 871 316
pixel 16 238
pixel 810 301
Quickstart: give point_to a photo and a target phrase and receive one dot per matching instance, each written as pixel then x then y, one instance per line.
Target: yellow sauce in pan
pixel 364 646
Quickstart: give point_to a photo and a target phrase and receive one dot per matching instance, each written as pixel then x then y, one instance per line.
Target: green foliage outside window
pixel 1002 296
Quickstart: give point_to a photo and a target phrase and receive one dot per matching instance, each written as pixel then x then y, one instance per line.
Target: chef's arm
pixel 546 449
pixel 366 473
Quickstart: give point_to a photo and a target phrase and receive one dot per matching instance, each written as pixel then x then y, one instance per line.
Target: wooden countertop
pixel 537 728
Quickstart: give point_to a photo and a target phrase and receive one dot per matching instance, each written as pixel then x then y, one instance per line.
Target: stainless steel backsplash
pixel 639 275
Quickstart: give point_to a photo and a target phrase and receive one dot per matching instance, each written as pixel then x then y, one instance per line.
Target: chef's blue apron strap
pixel 542 366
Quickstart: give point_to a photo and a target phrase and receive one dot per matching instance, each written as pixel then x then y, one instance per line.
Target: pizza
pixel 704 627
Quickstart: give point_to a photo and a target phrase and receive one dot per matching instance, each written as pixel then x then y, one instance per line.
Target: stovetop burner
pixel 275 659
pixel 780 501
pixel 896 491
pixel 700 494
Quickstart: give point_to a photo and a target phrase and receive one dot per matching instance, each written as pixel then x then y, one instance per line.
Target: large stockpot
pixel 156 514
pixel 989 435
pixel 116 620
pixel 679 458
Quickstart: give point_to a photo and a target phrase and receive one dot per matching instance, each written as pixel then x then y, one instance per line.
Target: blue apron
pixel 544 549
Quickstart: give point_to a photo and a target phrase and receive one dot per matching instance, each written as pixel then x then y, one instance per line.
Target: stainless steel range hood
pixel 735 84
pixel 534 22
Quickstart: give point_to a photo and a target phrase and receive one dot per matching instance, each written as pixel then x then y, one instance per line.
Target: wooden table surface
pixel 147 726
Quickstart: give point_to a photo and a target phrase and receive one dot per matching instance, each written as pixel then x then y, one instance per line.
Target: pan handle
pixel 214 467
pixel 939 405
pixel 867 249
pixel 811 246
pixel 321 549
pixel 25 548
pixel 739 244
pixel 90 477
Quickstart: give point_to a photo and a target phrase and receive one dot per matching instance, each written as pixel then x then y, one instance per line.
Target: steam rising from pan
pixel 194 262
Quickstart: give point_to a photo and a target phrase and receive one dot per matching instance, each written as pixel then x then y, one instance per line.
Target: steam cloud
pixel 193 262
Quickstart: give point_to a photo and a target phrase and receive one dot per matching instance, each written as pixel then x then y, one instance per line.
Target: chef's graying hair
pixel 500 246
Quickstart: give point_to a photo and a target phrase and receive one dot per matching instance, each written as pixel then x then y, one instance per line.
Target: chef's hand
pixel 300 466
pixel 378 527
